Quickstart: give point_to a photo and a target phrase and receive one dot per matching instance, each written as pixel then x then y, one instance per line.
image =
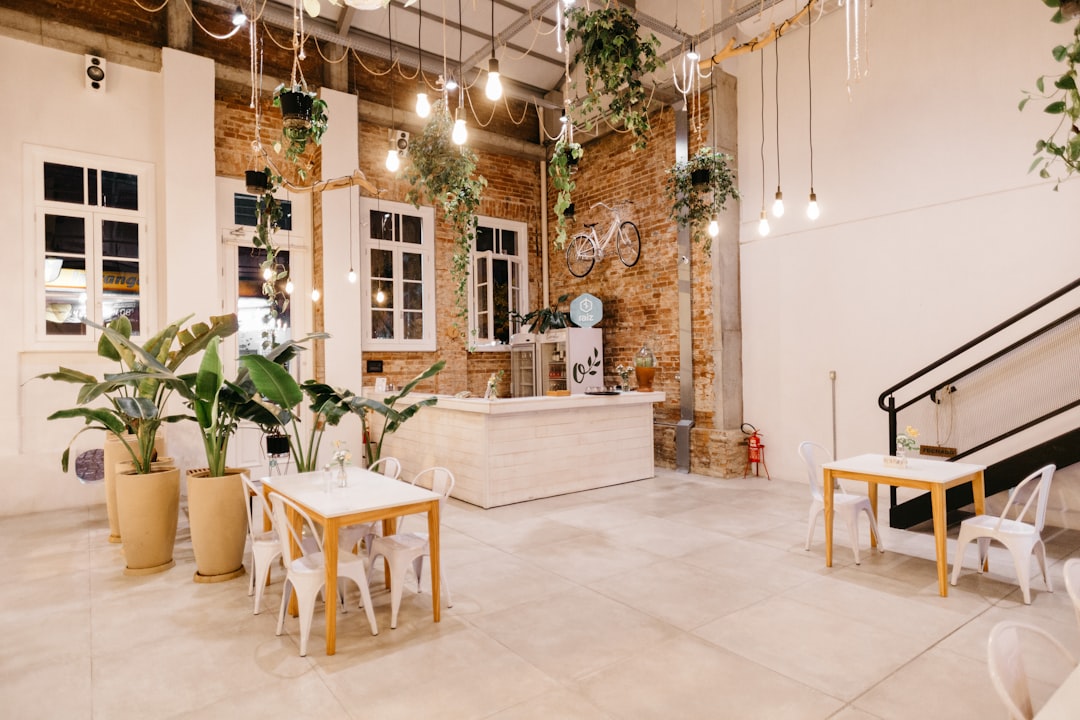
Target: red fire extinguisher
pixel 755 451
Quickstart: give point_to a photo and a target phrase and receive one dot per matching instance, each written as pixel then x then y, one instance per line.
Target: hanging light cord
pixel 492 28
pixel 460 70
pixel 762 130
pixel 776 94
pixel 810 95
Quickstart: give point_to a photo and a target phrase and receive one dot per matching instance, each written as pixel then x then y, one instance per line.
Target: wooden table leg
pixel 828 485
pixel 389 527
pixel 436 569
pixel 871 494
pixel 978 493
pixel 937 503
pixel 330 594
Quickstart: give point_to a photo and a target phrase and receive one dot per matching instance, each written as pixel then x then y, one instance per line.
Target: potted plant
pixel 256 181
pixel 563 159
pixel 444 173
pixel 148 496
pixel 1063 144
pixel 545 318
pixel 614 59
pixel 304 119
pixel 392 418
pixel 698 189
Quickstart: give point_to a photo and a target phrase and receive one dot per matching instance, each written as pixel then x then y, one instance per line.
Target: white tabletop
pixel 1064 703
pixel 934 471
pixel 366 491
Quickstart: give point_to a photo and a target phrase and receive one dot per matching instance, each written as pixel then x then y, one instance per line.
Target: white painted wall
pixel 931 231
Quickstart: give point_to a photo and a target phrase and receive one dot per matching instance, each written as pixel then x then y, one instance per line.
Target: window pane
pixel 509 242
pixel 413 296
pixel 64 183
pixel 244 211
pixel 482 326
pixel 65 234
pixel 412 266
pixel 481 302
pixel 381 226
pixel 501 299
pixel 259 328
pixel 481 271
pixel 412 229
pixel 382 325
pixel 65 296
pixel 119 239
pixel 120 277
pixel 382 294
pixel 414 326
pixel 485 239
pixel 382 264
pixel 91 186
pixel 116 304
pixel 119 190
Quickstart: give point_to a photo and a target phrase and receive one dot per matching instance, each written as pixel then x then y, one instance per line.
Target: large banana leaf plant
pixel 392 418
pixel 137 395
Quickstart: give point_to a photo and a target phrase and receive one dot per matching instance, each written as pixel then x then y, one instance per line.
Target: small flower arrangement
pixel 908 440
pixel 341 456
pixel 624 373
pixel 491 393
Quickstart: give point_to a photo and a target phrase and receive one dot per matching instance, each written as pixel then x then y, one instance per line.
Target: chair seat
pixel 987 524
pixel 404 542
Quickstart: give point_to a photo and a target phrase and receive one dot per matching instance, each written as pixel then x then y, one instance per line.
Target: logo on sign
pixel 586 310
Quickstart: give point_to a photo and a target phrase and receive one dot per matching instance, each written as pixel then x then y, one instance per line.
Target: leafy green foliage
pixel 297 135
pixel 615 59
pixel 564 156
pixel 268 214
pixel 1063 144
pixel 392 418
pixel 695 207
pixel 444 173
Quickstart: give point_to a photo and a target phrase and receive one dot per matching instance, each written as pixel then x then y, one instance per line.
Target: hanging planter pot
pixel 277 445
pixel 572 159
pixel 569 211
pixel 700 178
pixel 295 109
pixel 256 181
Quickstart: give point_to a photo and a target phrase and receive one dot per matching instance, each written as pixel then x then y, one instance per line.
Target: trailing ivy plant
pixel 695 206
pixel 1063 144
pixel 615 59
pixel 298 134
pixel 444 173
pixel 565 154
pixel 268 214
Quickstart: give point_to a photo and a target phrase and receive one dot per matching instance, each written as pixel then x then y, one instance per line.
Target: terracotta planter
pixel 148 507
pixel 115 452
pixel 644 378
pixel 217 511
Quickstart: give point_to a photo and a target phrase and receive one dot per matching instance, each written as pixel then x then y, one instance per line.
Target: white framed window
pixel 499 281
pixel 397 269
pixel 90 217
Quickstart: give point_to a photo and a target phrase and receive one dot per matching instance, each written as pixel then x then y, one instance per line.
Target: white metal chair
pixel 403 549
pixel 1022 539
pixel 306 573
pixel 1072 583
pixel 845 506
pixel 1006 663
pixel 265 546
pixel 349 537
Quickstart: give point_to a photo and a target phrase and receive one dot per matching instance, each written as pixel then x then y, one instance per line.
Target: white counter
pixel 515 449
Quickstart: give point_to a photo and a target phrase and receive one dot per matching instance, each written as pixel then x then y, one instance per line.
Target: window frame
pixel 426 250
pixel 36 207
pixel 522 259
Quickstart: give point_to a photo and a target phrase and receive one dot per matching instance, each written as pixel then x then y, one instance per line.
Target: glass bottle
pixel 644 368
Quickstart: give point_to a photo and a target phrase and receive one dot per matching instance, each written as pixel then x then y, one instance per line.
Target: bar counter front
pixel 509 450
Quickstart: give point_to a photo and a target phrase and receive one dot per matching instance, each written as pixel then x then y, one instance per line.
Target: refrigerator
pixel 523 365
pixel 571 360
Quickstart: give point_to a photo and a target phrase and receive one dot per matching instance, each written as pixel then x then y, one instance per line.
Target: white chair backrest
pixel 814 456
pixel 1006 664
pixel 388 466
pixel 287 533
pixel 1040 496
pixel 438 480
pixel 257 508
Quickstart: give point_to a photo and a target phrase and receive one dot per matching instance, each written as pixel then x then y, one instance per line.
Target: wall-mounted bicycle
pixel 585 248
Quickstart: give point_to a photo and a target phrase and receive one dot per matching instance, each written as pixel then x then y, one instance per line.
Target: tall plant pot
pixel 115 452
pixel 217 511
pixel 148 506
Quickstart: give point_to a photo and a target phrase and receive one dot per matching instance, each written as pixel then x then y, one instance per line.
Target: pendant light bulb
pixel 268 273
pixel 393 162
pixel 380 297
pixel 238 18
pixel 812 210
pixel 714 228
pixel 423 105
pixel 450 84
pixel 493 89
pixel 692 54
pixel 778 204
pixel 763 224
pixel 288 286
pixel 315 295
pixel 461 133
pixel 352 276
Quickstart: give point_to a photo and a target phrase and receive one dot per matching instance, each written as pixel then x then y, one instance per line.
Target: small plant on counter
pixel 543 319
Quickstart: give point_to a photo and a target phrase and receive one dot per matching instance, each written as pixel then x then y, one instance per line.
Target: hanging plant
pixel 563 161
pixel 1063 144
pixel 615 59
pixel 444 173
pixel 695 205
pixel 268 213
pixel 304 119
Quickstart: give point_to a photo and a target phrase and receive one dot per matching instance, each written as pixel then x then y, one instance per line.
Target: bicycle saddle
pixel 590 225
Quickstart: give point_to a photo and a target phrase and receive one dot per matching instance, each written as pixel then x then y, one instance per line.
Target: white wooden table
pixel 368 497
pixel 1064 704
pixel 930 475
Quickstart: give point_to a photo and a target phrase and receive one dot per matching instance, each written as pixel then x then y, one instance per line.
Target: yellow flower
pixel 912 432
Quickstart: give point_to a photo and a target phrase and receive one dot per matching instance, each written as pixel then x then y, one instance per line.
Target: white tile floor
pixel 680 596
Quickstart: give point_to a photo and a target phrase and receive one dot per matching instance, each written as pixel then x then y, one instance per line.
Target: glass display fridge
pixel 571 359
pixel 523 365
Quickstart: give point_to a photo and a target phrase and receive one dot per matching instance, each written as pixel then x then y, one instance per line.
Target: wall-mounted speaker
pixel 94 73
pixel 400 138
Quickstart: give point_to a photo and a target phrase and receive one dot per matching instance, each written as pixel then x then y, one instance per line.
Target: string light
pixel 714 228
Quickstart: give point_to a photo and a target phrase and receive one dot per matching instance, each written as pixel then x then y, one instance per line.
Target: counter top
pixel 510 406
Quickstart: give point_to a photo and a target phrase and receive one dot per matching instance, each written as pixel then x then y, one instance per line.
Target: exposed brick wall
pixel 109 17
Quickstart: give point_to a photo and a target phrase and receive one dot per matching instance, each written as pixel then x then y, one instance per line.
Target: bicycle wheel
pixel 629 244
pixel 580 255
